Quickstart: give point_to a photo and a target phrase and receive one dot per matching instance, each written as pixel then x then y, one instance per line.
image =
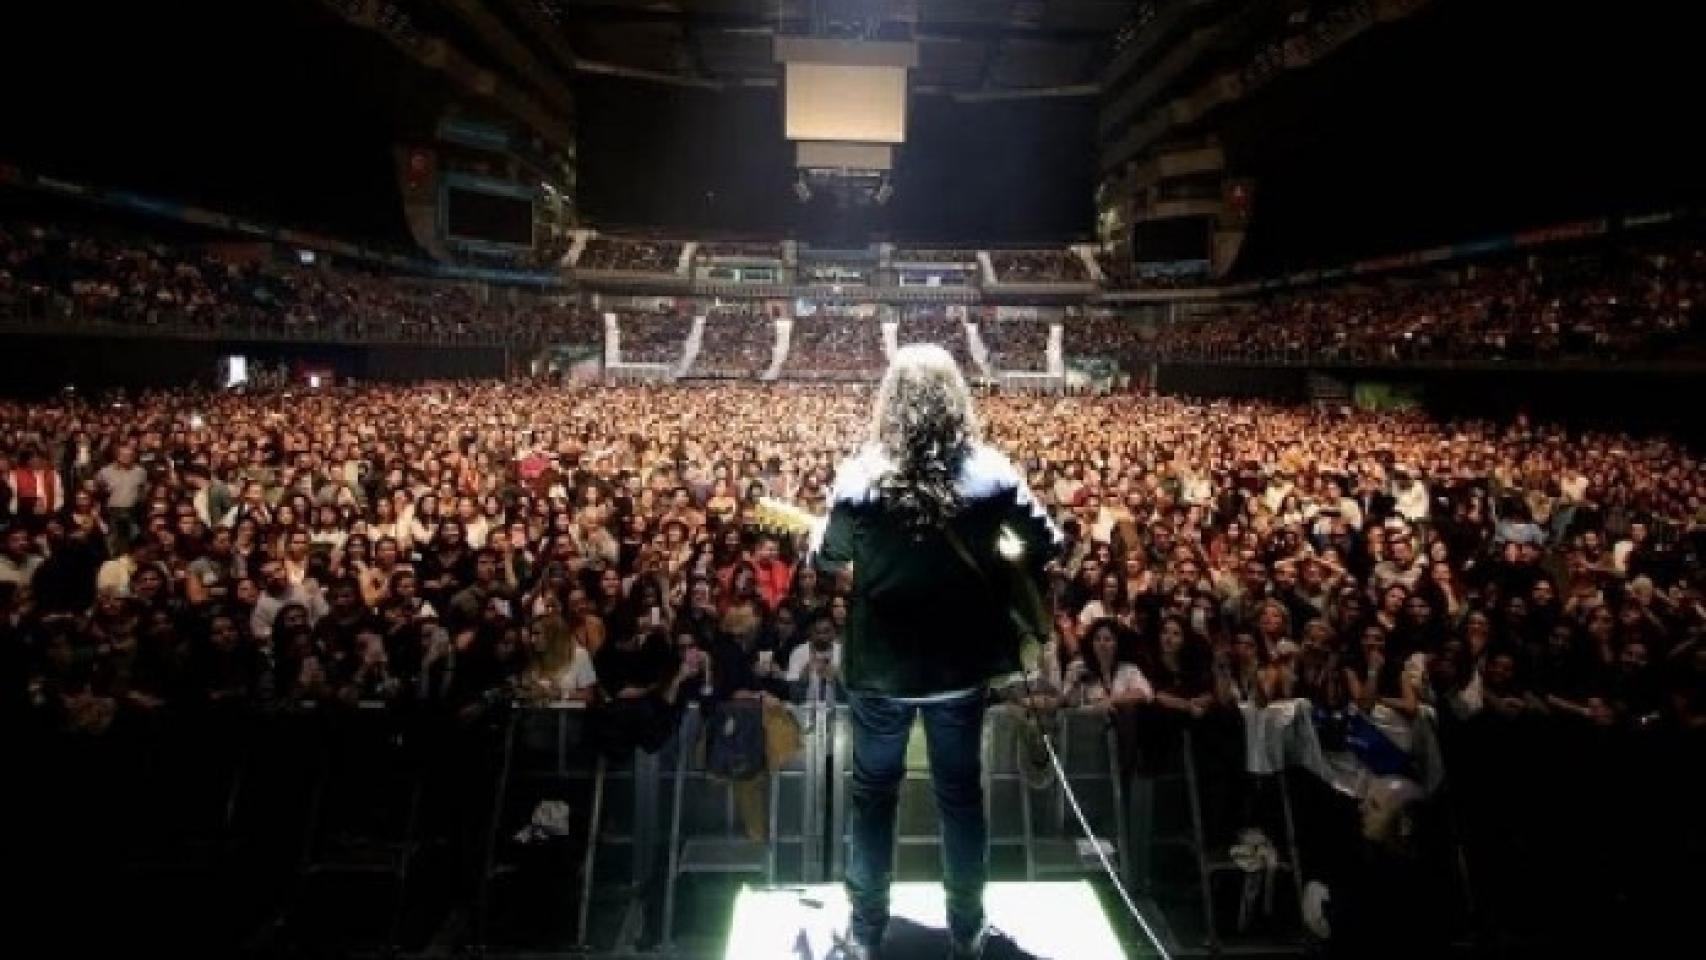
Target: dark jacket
pixel 921 620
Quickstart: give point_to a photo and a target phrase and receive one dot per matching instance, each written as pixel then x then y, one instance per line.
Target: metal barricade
pixel 545 754
pixel 365 803
pixel 1089 755
pixel 706 835
pixel 1208 862
pixel 185 779
pixel 1287 862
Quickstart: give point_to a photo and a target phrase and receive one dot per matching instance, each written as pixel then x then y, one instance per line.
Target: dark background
pixel 487 216
pixel 1176 238
pixel 1473 117
pixel 271 108
pixel 1013 171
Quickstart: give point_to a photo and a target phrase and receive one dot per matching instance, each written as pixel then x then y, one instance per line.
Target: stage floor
pixel 1044 921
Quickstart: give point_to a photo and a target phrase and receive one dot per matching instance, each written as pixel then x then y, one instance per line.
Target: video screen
pixel 827 101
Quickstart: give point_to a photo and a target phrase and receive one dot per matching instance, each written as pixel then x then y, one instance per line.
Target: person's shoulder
pixel 857 476
pixel 987 472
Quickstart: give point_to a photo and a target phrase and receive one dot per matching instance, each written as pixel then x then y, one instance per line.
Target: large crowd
pixel 1598 305
pixel 1016 344
pixel 178 549
pixel 1103 335
pixel 1038 266
pixel 933 325
pixel 116 277
pixel 457 547
pixel 738 342
pixel 652 337
pixel 1635 303
pixel 626 254
pixel 835 347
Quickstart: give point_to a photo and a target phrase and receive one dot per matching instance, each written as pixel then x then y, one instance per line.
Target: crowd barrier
pixel 286 798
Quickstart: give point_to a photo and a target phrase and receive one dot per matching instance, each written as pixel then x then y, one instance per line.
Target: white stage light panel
pixel 1047 921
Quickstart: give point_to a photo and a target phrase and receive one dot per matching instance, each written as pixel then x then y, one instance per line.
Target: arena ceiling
pixel 965 46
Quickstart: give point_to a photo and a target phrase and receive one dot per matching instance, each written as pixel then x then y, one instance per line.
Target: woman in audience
pixel 447 565
pixel 805 597
pixel 1110 603
pixel 1180 668
pixel 562 667
pixel 1109 676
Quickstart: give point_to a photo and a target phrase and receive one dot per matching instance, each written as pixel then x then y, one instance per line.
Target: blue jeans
pixel 953 730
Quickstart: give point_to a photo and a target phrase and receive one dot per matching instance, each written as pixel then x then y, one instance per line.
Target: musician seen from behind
pixel 948 550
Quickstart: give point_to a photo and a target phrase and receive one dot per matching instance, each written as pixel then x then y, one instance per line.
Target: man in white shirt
pixel 815 664
pixel 1334 504
pixel 1574 486
pixel 281 593
pixel 123 481
pixel 1279 487
pixel 1195 487
pixel 1410 496
pixel 1403 564
pixel 18 563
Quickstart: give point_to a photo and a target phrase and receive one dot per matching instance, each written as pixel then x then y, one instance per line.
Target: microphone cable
pixel 1084 821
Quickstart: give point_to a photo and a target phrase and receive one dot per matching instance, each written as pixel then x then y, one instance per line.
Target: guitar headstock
pixel 780 516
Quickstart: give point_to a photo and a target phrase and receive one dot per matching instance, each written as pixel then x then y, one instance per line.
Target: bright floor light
pixel 1050 921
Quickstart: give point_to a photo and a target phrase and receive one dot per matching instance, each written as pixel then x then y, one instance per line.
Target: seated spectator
pixel 1038 266
pixel 927 325
pixel 836 348
pixel 622 254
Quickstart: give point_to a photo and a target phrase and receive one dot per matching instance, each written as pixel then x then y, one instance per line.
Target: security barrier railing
pixel 304 792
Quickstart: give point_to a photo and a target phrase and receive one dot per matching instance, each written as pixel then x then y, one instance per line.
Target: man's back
pixel 922 619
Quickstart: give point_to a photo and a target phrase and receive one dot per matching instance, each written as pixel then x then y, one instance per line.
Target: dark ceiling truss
pixel 1009 46
pixel 579 16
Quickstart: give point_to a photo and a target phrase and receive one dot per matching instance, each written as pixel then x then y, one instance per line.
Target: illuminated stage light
pixel 1044 921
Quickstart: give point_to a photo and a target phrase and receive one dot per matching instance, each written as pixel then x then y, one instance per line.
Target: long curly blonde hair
pixel 924 425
